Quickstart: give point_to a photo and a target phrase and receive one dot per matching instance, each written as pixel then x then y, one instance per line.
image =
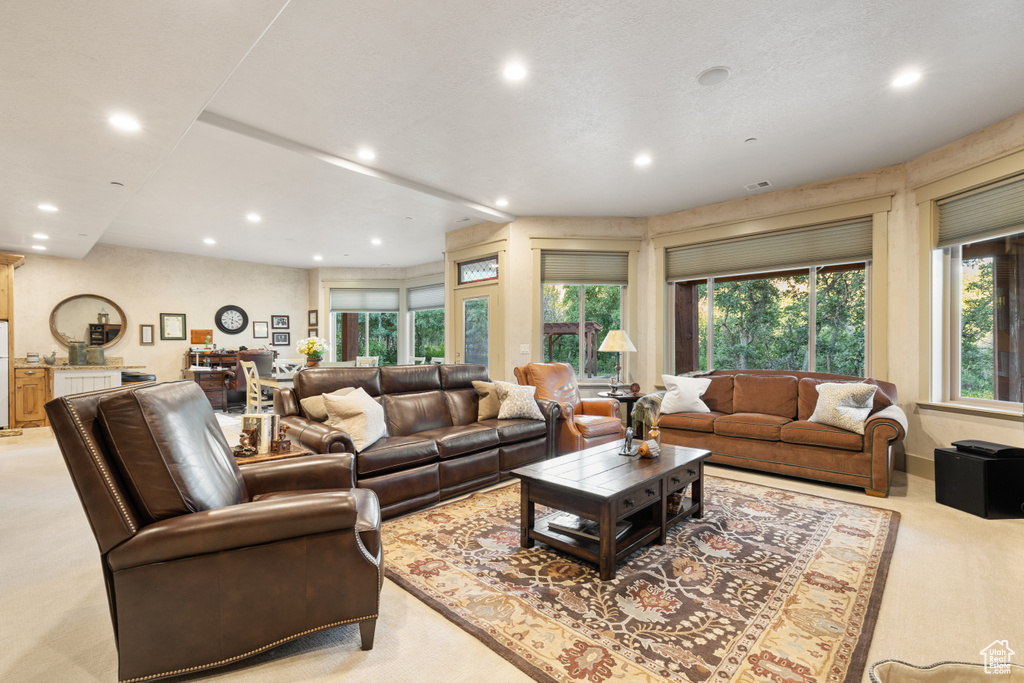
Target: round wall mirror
pixel 90 318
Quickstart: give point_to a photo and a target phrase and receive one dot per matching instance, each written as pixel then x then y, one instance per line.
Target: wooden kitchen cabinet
pixel 31 392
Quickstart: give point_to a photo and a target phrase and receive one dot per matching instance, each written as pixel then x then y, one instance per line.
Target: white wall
pixel 146 283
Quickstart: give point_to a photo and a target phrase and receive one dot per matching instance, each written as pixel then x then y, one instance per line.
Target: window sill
pixel 972 409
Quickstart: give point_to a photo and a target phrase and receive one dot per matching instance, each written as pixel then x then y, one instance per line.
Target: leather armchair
pixel 584 422
pixel 206 562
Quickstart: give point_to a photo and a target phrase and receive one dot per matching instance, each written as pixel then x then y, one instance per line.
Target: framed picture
pixel 279 322
pixel 313 319
pixel 172 326
pixel 281 339
pixel 311 332
pixel 145 335
pixel 260 330
pixel 199 336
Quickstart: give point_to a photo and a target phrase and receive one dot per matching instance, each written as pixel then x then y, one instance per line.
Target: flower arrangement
pixel 313 348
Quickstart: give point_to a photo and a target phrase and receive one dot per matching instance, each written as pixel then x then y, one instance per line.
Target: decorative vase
pixel 312 362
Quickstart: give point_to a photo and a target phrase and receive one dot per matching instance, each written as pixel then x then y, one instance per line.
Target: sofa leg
pixel 366 629
pixel 876 494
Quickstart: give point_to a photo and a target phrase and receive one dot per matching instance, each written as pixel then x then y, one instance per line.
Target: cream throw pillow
pixel 358 415
pixel 314 406
pixel 517 401
pixel 846 406
pixel 683 395
pixel 490 404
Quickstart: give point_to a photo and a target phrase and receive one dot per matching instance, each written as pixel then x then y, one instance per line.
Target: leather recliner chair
pixel 206 562
pixel 584 422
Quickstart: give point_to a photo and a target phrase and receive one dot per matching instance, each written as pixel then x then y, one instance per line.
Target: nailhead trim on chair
pixel 247 654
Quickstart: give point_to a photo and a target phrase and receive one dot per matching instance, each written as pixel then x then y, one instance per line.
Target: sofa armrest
pixel 330 471
pixel 318 436
pixel 551 411
pixel 236 526
pixel 882 431
pixel 286 403
pixel 893 422
pixel 608 407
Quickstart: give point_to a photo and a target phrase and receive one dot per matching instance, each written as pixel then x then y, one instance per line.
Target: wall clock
pixel 231 320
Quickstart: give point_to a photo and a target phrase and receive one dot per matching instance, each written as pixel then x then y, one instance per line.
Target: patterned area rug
pixel 769 586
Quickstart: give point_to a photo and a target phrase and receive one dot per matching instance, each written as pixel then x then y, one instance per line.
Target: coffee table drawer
pixel 638 498
pixel 679 481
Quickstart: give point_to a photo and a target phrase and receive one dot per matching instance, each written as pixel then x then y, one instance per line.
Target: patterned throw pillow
pixel 684 394
pixel 517 401
pixel 490 404
pixel 846 406
pixel 358 415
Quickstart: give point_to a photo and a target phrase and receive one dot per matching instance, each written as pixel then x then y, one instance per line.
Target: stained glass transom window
pixel 479 270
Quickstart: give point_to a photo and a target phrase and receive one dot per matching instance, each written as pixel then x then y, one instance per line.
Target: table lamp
pixel 617 341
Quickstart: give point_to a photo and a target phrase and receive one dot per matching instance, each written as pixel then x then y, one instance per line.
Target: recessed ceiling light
pixel 713 76
pixel 210 240
pixel 125 122
pixel 47 207
pixel 642 160
pixel 40 236
pixel 39 247
pixel 253 217
pixel 906 78
pixel 367 154
pixel 515 72
pixel 318 257
pixel 501 201
pixel 375 241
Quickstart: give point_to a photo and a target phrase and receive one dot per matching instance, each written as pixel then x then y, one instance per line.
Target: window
pixel 764 321
pixel 426 310
pixel 364 322
pixel 479 270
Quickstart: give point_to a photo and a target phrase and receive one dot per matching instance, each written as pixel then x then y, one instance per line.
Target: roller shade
pixel 818 246
pixel 984 214
pixel 364 300
pixel 428 296
pixel 584 267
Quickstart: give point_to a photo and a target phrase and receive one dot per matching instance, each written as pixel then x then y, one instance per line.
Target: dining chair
pixel 419 360
pixel 253 388
pixel 437 360
pixel 367 361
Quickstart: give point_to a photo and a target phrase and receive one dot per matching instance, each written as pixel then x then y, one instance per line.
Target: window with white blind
pixel 365 323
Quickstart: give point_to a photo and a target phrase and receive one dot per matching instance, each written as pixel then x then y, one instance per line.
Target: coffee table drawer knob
pixel 628 502
pixel 692 473
pixel 651 492
pixel 676 480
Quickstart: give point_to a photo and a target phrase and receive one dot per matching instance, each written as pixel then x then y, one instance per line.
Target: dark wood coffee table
pixel 600 485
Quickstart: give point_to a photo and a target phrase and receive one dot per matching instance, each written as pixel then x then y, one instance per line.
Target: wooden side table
pixel 628 399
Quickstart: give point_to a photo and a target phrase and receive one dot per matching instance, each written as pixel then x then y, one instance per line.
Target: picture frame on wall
pixel 172 326
pixel 279 322
pixel 281 339
pixel 313 319
pixel 146 335
pixel 260 329
pixel 311 332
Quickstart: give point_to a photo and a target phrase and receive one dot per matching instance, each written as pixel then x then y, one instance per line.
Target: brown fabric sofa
pixel 759 420
pixel 435 447
pixel 206 562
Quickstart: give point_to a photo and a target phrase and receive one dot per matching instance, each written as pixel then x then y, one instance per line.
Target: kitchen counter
pixel 112 363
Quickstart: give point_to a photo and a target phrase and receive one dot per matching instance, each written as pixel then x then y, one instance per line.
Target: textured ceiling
pixel 421 84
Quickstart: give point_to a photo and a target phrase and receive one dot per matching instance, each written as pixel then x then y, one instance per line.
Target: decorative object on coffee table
pixel 617 341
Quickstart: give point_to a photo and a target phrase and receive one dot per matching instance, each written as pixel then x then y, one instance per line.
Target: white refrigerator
pixel 5 369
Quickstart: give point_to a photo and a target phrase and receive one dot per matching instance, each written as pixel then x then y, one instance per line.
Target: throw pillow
pixel 846 406
pixel 517 401
pixel 683 394
pixel 358 415
pixel 490 404
pixel 314 407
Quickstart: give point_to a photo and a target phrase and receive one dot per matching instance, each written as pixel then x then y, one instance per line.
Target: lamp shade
pixel 617 340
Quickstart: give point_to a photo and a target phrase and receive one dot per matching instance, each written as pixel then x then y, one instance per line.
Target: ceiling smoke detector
pixel 757 186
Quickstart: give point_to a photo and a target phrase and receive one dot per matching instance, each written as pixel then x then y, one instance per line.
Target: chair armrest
pixel 330 471
pixel 236 526
pixel 318 436
pixel 551 411
pixel 609 407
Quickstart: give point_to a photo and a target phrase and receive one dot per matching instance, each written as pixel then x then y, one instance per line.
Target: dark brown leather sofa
pixel 759 420
pixel 435 447
pixel 206 563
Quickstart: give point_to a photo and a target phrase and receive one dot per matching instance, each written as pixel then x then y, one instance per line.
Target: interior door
pixel 478 328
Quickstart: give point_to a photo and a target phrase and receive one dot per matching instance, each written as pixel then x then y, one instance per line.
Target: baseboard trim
pixel 920 466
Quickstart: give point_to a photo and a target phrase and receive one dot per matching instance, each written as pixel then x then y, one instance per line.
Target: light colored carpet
pixel 954 586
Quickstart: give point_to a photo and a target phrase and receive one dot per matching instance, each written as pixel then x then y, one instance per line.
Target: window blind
pixel 364 300
pixel 816 246
pixel 982 214
pixel 584 267
pixel 428 296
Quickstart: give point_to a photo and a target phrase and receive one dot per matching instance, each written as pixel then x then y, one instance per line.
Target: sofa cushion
pixel 817 434
pixel 412 413
pixel 683 394
pixel 511 431
pixel 808 395
pixel 395 453
pixel 400 379
pixel 696 422
pixel 358 415
pixel 462 375
pixel 768 394
pixel 844 405
pixel 170 450
pixel 489 403
pixel 463 405
pixel 751 425
pixel 597 425
pixel 718 396
pixel 452 441
pixel 316 381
